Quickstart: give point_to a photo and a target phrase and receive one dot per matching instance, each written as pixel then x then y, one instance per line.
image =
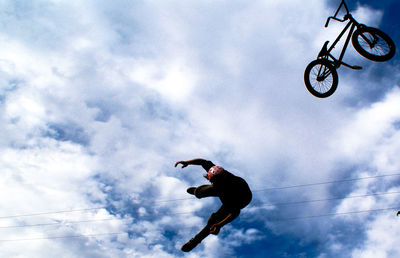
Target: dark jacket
pixel 233 191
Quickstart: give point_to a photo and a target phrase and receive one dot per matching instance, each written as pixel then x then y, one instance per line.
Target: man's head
pixel 214 171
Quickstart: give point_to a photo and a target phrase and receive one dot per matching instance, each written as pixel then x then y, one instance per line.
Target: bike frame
pixel 351 25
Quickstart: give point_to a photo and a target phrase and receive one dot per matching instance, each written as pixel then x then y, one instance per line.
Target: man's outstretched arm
pixel 200 162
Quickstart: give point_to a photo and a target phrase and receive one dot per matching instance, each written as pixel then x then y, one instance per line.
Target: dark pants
pixel 223 212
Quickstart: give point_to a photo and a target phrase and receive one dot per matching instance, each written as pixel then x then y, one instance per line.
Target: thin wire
pixel 298 202
pixel 324 183
pixel 61 237
pixel 327 199
pixel 50 212
pixel 277 220
pixel 188 212
pixel 334 214
pixel 58 223
pixel 180 199
pixel 295 186
pixel 173 200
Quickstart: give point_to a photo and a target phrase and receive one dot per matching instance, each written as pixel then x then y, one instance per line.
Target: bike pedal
pixel 356 67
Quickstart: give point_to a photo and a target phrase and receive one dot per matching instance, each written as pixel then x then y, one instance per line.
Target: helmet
pixel 213 171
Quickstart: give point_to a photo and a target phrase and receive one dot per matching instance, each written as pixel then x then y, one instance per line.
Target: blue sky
pixel 98 100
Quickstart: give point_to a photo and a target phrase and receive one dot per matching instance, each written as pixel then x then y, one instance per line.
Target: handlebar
pixel 337 19
pixel 343 3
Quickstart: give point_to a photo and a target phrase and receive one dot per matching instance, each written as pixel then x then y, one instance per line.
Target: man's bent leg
pixel 222 217
pixel 202 191
pixel 191 190
pixel 216 217
pixel 192 243
pixel 205 191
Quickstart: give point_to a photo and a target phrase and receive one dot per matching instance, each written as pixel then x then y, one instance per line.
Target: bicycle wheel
pixel 373 44
pixel 321 78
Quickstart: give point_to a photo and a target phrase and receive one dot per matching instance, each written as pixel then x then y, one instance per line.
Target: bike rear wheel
pixel 321 78
pixel 373 44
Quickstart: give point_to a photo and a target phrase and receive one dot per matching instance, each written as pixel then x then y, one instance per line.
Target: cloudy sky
pixel 98 100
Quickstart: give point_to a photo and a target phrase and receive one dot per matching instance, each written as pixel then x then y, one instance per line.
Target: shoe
pixel 191 190
pixel 189 245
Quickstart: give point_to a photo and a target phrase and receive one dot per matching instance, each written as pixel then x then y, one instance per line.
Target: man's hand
pixel 214 229
pixel 184 163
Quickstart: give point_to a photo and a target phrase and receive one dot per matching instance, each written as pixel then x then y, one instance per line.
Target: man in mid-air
pixel 233 191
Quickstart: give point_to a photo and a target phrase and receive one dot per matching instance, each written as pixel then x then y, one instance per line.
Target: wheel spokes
pixel 321 78
pixel 374 44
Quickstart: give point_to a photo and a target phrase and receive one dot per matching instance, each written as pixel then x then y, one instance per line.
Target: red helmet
pixel 213 171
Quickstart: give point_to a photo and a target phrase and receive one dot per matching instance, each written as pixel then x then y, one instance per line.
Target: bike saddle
pixel 326 44
pixel 324 50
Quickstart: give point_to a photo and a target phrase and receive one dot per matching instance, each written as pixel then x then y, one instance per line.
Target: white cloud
pixel 381 240
pixel 372 132
pixel 98 101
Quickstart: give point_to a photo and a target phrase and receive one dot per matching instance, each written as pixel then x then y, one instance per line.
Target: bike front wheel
pixel 321 78
pixel 373 44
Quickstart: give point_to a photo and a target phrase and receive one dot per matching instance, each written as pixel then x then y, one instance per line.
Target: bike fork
pixel 323 73
pixel 371 44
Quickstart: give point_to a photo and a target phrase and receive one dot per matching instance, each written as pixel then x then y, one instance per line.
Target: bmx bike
pixel 321 78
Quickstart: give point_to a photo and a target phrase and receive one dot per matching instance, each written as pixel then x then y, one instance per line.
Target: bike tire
pixel 383 50
pixel 321 78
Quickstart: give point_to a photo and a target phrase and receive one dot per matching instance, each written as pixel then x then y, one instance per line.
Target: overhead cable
pixel 274 220
pixel 260 205
pixel 190 198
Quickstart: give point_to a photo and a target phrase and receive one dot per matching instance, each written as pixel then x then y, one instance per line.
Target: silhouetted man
pixel 232 190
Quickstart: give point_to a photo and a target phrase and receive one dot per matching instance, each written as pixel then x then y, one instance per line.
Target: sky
pixel 99 99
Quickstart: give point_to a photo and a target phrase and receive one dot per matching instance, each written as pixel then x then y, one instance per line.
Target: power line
pixel 334 214
pixel 181 213
pixel 275 220
pixel 62 237
pixel 174 200
pixel 190 198
pixel 327 199
pixel 58 223
pixel 300 202
pixel 295 186
pixel 50 212
pixel 325 183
